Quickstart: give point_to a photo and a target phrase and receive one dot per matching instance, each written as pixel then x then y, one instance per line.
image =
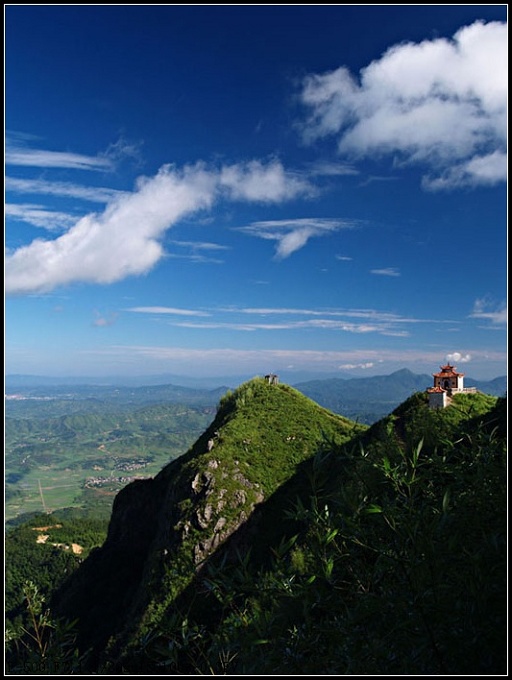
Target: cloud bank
pixel 125 239
pixel 441 103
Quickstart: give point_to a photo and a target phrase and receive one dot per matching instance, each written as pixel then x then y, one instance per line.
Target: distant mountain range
pixel 362 399
pixel 369 399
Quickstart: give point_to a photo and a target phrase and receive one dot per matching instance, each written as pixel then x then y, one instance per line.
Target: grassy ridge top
pixel 272 428
pixel 259 438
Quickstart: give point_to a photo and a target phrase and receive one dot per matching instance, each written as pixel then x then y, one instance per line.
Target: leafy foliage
pixel 373 551
pixel 399 567
pixel 43 645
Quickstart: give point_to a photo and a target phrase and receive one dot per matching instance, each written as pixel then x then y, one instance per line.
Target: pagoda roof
pixel 447 371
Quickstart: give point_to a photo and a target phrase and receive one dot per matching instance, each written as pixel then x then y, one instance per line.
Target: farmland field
pixel 84 458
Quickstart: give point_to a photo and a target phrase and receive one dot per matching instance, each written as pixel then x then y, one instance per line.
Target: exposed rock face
pixel 163 530
pixel 214 513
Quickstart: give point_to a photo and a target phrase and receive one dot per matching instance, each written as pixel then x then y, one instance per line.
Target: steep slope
pixel 397 563
pixel 383 553
pixel 163 529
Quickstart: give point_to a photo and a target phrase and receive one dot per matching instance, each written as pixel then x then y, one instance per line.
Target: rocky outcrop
pixel 163 530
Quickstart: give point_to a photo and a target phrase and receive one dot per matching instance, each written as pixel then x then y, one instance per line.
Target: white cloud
pixel 330 169
pixel 39 216
pixel 208 361
pixel 126 238
pixel 67 189
pixel 166 310
pixel 480 170
pixel 374 315
pixel 458 358
pixel 439 102
pixel 325 324
pixel 201 245
pixel 19 153
pixel 195 258
pixel 257 182
pixel 197 248
pixel 292 235
pixel 350 367
pixel 485 309
pixel 369 321
pixel 41 158
pixel 387 271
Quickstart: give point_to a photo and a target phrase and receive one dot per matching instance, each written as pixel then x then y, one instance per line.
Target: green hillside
pixel 290 540
pixel 260 436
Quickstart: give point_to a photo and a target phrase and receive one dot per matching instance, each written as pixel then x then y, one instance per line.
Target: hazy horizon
pixel 237 190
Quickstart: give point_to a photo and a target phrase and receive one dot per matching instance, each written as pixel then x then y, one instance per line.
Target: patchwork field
pixel 83 460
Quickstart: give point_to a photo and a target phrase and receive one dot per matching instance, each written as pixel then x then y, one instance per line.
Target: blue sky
pixel 226 190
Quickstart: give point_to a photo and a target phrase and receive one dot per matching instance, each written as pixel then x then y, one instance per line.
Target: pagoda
pixel 446 383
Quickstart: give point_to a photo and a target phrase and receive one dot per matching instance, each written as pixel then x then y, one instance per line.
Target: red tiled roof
pixel 447 371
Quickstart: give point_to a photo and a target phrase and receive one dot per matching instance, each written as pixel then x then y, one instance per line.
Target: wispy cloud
pixel 41 158
pixel 195 258
pixel 232 361
pixel 497 314
pixel 125 239
pixel 200 245
pixel 20 151
pixel 123 150
pixel 39 216
pixel 332 169
pixel 368 321
pixel 442 103
pixel 376 178
pixel 166 310
pixel 386 271
pixel 104 320
pixel 291 235
pixel 65 189
pixel 351 367
pixel 196 251
pixel 325 324
pixel 370 314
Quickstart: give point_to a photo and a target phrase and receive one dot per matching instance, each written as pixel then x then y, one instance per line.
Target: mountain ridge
pixel 365 399
pixel 13 380
pixel 272 546
pixel 260 435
